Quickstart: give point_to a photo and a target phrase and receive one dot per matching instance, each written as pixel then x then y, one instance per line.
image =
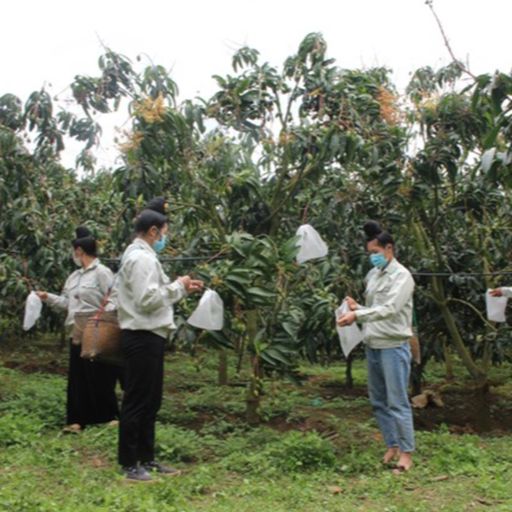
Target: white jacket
pixel 144 293
pixel 83 291
pixel 387 314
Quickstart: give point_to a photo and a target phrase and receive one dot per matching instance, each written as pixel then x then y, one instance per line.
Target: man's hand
pixel 347 319
pixel 42 295
pixel 496 292
pixel 351 303
pixel 191 285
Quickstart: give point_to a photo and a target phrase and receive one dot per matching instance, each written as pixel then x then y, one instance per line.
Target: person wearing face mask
pixel 145 312
pixel 387 328
pixel 91 396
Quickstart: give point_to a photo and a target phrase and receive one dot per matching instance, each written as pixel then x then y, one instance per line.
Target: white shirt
pixel 387 315
pixel 83 291
pixel 145 294
pixel 506 291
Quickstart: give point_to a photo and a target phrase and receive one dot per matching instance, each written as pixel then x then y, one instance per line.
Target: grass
pixel 318 449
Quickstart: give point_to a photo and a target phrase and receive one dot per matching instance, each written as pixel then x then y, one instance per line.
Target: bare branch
pixel 458 62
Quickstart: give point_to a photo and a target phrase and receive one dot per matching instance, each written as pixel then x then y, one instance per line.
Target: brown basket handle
pixel 105 299
pixel 104 303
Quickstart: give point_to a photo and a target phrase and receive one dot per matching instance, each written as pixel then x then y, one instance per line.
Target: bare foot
pixel 391 454
pixel 404 463
pixel 74 428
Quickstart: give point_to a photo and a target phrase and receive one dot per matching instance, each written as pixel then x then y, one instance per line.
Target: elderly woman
pixel 91 394
pixel 387 329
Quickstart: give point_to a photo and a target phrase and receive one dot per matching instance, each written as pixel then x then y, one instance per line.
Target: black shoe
pixel 136 473
pixel 159 468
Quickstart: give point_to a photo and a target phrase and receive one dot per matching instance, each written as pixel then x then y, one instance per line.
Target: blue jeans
pixel 388 379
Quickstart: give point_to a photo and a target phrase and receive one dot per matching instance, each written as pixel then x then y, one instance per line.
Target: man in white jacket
pixel 145 297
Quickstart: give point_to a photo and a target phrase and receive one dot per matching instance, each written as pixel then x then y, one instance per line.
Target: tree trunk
pixel 458 343
pixel 349 379
pixel 448 360
pixel 416 377
pixel 454 332
pixel 252 411
pixel 240 354
pixel 223 368
pixel 253 398
pixel 487 355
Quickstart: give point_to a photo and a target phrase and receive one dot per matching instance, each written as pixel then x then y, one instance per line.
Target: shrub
pixel 43 397
pixel 19 429
pixel 303 452
pixel 180 445
pixel 293 452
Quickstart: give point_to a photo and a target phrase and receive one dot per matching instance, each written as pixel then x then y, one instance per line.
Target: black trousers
pixel 143 386
pixel 91 396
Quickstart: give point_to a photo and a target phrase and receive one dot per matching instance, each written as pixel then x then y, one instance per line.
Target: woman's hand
pixel 496 292
pixel 346 319
pixel 42 295
pixel 351 303
pixel 191 285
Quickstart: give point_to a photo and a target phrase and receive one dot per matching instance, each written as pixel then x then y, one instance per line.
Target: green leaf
pixel 260 292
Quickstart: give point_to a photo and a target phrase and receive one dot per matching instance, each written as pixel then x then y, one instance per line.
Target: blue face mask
pixel 378 259
pixel 159 245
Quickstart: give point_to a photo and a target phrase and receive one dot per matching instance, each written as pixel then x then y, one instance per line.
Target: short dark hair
pixel 373 231
pixel 85 241
pixel 147 219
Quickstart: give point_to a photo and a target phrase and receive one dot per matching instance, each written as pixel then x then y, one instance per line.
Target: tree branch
pixel 459 63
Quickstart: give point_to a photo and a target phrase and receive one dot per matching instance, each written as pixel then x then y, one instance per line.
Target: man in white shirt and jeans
pixel 387 329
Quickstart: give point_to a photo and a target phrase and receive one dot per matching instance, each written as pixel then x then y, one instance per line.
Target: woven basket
pixel 101 338
pixel 80 321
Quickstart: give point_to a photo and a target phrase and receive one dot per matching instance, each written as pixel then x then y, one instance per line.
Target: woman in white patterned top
pixel 91 394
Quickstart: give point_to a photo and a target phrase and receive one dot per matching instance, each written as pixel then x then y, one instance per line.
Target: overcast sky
pixel 51 41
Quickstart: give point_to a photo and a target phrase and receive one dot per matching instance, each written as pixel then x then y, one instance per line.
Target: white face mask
pixel 76 260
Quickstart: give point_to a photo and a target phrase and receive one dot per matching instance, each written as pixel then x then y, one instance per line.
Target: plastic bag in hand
pixel 495 307
pixel 350 335
pixel 311 245
pixel 33 307
pixel 209 314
